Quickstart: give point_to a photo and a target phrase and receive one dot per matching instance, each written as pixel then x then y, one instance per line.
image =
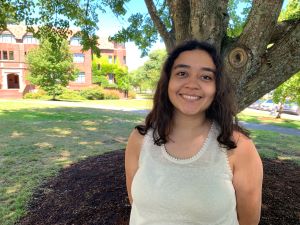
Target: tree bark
pixel 209 20
pixel 282 29
pixel 279 63
pixel 180 14
pixel 243 57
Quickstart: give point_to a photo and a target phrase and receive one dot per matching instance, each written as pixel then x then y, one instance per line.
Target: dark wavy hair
pixel 222 110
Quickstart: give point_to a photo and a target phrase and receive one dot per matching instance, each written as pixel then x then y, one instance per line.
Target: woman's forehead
pixel 194 59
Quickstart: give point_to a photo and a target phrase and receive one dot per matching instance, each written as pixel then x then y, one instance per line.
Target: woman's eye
pixel 206 77
pixel 181 74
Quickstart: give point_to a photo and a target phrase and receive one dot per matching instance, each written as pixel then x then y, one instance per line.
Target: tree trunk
pixel 279 110
pixel 254 66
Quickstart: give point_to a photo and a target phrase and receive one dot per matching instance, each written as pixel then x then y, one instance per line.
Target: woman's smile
pixel 190 97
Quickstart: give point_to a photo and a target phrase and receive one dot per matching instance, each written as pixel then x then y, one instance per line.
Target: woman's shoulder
pixel 135 142
pixel 245 150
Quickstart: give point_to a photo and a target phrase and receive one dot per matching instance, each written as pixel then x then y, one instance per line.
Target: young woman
pixel 191 163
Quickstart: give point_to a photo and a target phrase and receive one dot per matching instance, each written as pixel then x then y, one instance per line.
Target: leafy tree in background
pixel 146 76
pixel 51 66
pixel 289 90
pixel 101 67
pixel 136 79
pixel 260 52
pixel 291 12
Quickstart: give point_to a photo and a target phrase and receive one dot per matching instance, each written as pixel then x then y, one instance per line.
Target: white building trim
pixel 18 72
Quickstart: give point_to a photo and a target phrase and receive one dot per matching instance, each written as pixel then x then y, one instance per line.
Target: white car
pixel 268 105
pixel 291 108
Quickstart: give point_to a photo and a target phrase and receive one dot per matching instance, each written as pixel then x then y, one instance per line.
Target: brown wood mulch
pixel 93 192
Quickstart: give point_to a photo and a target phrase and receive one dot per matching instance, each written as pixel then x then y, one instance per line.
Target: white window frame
pixel 78 58
pixel 75 41
pixel 7 38
pixel 80 78
pixel 29 39
pixel 110 58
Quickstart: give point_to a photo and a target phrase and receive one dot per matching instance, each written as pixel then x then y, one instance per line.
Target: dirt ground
pixel 93 192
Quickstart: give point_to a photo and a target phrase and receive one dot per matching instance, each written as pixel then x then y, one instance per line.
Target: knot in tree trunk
pixel 238 57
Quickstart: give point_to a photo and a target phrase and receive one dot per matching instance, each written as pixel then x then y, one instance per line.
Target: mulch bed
pixel 93 191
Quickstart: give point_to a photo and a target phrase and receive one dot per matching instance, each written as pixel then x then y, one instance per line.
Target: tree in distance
pixel 289 90
pixel 146 76
pixel 51 66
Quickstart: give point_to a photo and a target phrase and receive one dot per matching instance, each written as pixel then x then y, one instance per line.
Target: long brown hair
pixel 222 110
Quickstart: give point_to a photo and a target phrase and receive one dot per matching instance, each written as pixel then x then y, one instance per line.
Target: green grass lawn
pixel 263 117
pixel 124 103
pixel 37 140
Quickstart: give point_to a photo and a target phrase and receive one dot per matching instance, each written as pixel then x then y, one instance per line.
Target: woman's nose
pixel 192 82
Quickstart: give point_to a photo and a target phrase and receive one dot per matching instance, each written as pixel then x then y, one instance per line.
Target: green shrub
pixel 71 95
pixel 113 85
pixel 40 94
pixel 94 93
pixel 112 94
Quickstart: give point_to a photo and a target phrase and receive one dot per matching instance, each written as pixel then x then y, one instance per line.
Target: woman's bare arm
pixel 132 153
pixel 247 181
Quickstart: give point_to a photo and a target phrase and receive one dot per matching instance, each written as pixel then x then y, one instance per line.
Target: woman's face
pixel 192 84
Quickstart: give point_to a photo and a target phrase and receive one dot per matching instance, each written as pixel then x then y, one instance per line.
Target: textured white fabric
pixel 169 191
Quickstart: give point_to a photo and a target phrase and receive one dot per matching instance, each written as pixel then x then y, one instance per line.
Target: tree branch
pixel 278 64
pixel 168 39
pixel 282 28
pixel 260 25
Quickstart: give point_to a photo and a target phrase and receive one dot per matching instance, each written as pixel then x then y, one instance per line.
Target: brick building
pixel 15 42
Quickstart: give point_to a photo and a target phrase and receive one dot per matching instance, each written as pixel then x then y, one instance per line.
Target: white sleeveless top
pixel 170 191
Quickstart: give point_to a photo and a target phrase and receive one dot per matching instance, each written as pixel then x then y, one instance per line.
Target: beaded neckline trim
pixel 167 155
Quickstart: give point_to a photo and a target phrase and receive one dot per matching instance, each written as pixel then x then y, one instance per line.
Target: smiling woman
pixel 191 163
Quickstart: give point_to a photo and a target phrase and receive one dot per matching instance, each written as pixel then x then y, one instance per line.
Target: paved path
pixel 284 130
pixel 254 126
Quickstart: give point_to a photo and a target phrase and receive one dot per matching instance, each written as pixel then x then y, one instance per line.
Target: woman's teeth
pixel 190 97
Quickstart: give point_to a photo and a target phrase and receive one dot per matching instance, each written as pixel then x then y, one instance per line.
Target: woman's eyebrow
pixel 187 66
pixel 209 69
pixel 181 66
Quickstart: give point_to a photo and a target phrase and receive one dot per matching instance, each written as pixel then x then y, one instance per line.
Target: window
pixel 5 57
pixel 78 58
pixel 29 39
pixel 7 38
pixel 111 78
pixel 75 41
pixel 80 78
pixel 115 59
pixel 124 59
pixel 11 55
pixel 110 59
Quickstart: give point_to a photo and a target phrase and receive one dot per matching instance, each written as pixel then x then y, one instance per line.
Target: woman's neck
pixel 189 123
